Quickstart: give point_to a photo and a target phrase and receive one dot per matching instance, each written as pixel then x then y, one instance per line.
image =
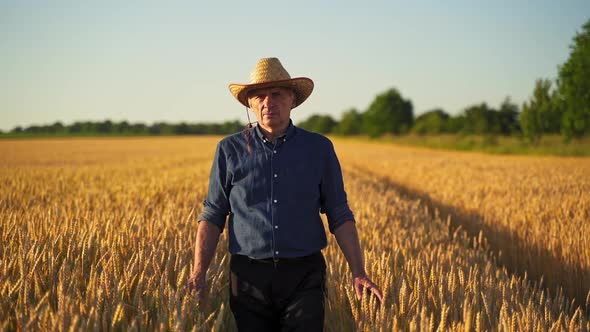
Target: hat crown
pixel 270 73
pixel 268 70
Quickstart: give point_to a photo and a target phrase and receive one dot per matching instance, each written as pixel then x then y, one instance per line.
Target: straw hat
pixel 269 72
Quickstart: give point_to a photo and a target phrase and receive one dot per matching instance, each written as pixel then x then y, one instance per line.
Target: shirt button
pixel 276 252
pixel 276 175
pixel 275 201
pixel 276 226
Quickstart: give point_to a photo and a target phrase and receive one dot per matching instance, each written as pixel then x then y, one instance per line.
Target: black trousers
pixel 283 295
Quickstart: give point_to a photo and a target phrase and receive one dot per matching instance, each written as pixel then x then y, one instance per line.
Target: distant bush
pixel 323 124
pixel 431 122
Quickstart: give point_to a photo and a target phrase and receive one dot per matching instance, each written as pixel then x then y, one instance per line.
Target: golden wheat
pixel 97 234
pixel 534 211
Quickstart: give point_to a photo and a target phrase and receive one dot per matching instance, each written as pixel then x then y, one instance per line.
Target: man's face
pixel 272 107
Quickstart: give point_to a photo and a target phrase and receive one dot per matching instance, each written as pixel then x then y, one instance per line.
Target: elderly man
pixel 273 180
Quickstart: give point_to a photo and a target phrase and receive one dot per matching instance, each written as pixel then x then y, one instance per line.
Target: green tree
pixel 574 86
pixel 350 123
pixel 540 115
pixel 182 129
pixel 230 127
pixel 139 129
pixel 456 124
pixel 161 128
pixel 389 113
pixel 323 124
pixel 75 127
pixel 122 128
pixel 105 127
pixel 481 120
pixel 431 122
pixel 56 128
pixel 508 117
pixel 17 130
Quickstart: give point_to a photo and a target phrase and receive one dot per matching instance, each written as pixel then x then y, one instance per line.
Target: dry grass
pixel 97 234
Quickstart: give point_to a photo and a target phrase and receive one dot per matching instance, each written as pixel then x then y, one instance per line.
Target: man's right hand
pixel 207 238
pixel 198 284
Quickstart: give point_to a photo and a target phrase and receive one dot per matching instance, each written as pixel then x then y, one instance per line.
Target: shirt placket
pixel 275 171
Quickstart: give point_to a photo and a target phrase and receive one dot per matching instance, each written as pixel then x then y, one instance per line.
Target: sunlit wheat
pixel 97 234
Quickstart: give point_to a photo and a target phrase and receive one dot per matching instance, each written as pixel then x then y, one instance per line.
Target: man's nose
pixel 268 101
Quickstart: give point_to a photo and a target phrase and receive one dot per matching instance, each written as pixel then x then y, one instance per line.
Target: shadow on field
pixel 518 255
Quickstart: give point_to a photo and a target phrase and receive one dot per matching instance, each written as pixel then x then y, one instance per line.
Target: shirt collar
pixel 289 133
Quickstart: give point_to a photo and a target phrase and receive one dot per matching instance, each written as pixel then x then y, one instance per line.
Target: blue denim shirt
pixel 274 194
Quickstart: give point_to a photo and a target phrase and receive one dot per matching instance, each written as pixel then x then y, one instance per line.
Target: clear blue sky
pixel 172 60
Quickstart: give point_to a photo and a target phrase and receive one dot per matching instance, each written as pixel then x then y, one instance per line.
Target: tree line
pixel 390 113
pixel 560 108
pixel 124 128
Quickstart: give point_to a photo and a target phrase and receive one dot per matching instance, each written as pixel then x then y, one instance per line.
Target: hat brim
pixel 302 86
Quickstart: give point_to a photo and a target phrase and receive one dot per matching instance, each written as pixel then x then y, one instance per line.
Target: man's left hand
pixel 363 282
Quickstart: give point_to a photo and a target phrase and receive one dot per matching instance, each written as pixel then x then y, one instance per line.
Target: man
pixel 273 180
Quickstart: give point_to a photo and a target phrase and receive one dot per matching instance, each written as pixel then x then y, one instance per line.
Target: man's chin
pixel 270 122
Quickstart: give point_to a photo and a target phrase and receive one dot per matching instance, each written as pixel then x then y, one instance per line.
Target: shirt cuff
pixel 338 216
pixel 209 214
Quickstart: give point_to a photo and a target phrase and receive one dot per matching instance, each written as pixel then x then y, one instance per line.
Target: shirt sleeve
pixel 216 205
pixel 333 197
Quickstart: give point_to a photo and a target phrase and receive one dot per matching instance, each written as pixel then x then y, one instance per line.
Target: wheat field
pixel 97 234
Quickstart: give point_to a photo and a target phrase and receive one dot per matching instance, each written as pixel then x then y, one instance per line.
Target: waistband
pixel 276 260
